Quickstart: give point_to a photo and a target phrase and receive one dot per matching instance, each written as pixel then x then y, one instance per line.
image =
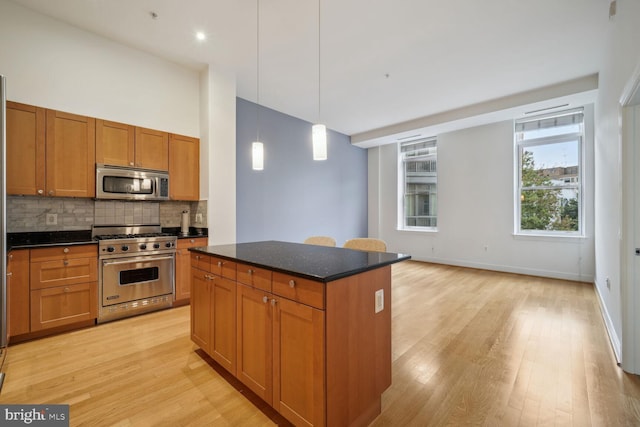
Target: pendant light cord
pixel 258 70
pixel 319 63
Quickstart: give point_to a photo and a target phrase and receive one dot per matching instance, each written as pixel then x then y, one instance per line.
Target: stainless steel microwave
pixel 115 182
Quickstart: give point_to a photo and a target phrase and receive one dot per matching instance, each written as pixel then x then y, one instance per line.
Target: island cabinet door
pixel 223 323
pixel 201 309
pixel 299 363
pixel 255 341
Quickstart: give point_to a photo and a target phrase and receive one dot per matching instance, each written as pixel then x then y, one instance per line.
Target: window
pixel 419 182
pixel 549 196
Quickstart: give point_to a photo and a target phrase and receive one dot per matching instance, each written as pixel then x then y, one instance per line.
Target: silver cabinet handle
pixel 65 262
pixel 66 289
pixel 292 283
pixel 265 299
pixel 65 250
pixel 273 302
pixel 249 272
pixel 41 192
pixel 9 274
pixel 192 240
pixel 220 263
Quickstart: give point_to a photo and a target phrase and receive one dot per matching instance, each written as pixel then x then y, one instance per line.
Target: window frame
pixel 402 185
pixel 519 148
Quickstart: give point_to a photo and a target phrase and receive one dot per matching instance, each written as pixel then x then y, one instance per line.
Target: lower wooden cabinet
pixel 213 316
pixel 18 292
pixel 183 266
pixel 255 341
pixel 281 354
pixel 51 287
pixel 63 305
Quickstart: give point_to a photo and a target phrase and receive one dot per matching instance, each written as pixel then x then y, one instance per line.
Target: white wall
pixel 475 209
pixel 621 58
pixel 54 65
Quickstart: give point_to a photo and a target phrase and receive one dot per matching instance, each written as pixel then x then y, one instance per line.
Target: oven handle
pixel 140 259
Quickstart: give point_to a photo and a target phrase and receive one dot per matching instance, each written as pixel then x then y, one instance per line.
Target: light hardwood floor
pixel 470 347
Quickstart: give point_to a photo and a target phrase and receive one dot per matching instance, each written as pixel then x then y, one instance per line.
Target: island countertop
pixel 319 263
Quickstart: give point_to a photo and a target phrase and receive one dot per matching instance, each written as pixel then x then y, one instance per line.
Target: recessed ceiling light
pixel 201 36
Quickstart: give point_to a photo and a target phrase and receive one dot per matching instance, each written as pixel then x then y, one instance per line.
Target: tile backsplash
pixel 27 213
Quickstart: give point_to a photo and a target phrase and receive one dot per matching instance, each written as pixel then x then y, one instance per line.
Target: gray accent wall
pixel 294 196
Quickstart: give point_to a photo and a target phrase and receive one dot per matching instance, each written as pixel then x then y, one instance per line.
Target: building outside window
pixel 419 181
pixel 550 176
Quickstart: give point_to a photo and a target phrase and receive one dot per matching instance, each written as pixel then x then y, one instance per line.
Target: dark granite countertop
pixel 320 263
pixel 39 239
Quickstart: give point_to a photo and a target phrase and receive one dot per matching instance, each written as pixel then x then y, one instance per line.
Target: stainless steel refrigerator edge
pixel 3 229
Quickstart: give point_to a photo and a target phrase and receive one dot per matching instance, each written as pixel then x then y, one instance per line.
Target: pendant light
pixel 319 131
pixel 257 148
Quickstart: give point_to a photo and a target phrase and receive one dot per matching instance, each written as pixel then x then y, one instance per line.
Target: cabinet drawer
pixel 63 305
pixel 62 272
pixel 200 261
pixel 223 267
pixel 305 291
pixel 254 276
pixel 192 242
pixel 62 252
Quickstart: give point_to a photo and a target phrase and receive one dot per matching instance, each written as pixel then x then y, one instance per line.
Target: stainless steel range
pixel 136 270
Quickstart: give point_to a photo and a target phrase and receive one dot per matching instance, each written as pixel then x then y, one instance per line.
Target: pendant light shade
pixel 319 137
pixel 319 131
pixel 258 156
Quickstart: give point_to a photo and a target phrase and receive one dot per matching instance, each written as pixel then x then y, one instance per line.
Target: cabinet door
pixel 152 149
pixel 255 341
pixel 115 143
pixel 223 337
pixel 183 266
pixel 71 155
pixel 298 363
pixel 63 305
pixel 18 292
pixel 25 149
pixel 200 309
pixel 184 167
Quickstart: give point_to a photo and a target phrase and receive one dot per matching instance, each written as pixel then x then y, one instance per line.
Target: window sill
pixel 550 237
pixel 419 229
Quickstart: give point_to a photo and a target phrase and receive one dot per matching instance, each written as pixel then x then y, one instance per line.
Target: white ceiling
pixel 382 62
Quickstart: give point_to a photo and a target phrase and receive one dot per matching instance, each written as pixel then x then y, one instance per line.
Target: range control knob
pixel 110 249
pixel 143 246
pixel 156 246
pixel 125 248
pixel 168 244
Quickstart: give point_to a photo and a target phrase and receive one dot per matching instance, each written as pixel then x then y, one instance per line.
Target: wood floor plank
pixel 470 347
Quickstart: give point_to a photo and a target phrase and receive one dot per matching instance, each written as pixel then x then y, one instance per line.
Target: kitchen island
pixel 307 328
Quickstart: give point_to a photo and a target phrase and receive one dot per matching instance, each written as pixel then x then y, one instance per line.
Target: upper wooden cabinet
pixel 25 149
pixel 152 149
pixel 49 153
pixel 115 143
pixel 184 167
pixel 71 153
pixel 120 144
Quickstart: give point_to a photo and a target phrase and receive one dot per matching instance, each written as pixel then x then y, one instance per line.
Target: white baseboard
pixel 608 324
pixel 510 269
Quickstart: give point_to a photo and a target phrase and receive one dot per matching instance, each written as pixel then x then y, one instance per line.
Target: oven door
pixel 134 278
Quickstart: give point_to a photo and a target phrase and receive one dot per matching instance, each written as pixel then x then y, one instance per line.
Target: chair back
pixel 320 241
pixel 366 244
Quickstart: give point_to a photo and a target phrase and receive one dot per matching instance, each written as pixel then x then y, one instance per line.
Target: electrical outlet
pixel 379 300
pixel 52 219
pixel 198 218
